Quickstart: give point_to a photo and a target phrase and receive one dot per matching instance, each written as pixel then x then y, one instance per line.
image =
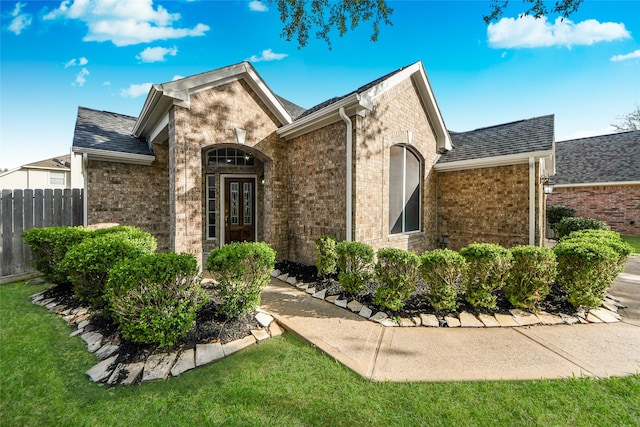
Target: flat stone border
pixel 607 313
pixel 157 366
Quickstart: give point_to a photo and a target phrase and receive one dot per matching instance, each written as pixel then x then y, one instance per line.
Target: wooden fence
pixel 22 210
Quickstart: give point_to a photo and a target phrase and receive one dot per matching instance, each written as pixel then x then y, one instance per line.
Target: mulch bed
pixel 554 303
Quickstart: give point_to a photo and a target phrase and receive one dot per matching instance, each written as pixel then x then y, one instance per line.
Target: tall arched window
pixel 404 190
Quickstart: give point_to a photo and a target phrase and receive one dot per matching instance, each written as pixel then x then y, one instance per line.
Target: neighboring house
pixel 600 178
pixel 50 173
pixel 218 157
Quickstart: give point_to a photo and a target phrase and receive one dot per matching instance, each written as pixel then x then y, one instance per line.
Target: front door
pixel 240 210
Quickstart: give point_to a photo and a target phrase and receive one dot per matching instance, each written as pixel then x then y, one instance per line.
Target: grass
pixel 633 241
pixel 282 382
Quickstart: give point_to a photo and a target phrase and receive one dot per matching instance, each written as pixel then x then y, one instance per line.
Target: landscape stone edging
pixel 157 366
pixel 607 313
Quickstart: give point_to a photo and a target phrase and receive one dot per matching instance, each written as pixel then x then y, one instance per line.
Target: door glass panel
pixel 234 202
pixel 247 203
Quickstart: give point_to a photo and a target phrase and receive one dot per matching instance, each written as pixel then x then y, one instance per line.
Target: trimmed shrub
pixel 570 224
pixel 355 264
pixel 154 299
pixel 89 263
pixel 556 213
pixel 242 271
pixel 488 267
pixel 442 271
pixel 609 238
pixel 584 270
pixel 326 256
pixel 48 247
pixel 145 241
pixel 532 272
pixel 397 272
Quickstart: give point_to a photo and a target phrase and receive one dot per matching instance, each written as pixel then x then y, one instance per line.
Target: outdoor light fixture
pixel 546 185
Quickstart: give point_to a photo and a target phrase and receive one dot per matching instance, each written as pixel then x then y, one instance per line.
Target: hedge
pixel 355 266
pixel 488 267
pixel 442 271
pixel 397 272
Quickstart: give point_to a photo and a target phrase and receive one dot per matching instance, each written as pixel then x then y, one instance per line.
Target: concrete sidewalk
pixel 454 354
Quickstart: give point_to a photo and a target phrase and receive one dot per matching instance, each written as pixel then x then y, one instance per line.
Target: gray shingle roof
pixel 606 158
pixel 359 90
pixel 294 110
pixel 524 136
pixel 102 130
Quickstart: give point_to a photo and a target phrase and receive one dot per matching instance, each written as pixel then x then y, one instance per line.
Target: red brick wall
pixel 617 205
pixel 489 205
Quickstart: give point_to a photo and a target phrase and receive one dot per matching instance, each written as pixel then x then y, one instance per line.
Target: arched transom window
pixel 404 190
pixel 230 157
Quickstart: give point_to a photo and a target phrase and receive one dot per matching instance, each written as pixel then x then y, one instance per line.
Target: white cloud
pixel 177 77
pixel 529 32
pixel 107 83
pixel 257 6
pixel 632 55
pixel 157 54
pixel 81 77
pixel 125 22
pixel 20 20
pixel 134 90
pixel 267 55
pixel 76 62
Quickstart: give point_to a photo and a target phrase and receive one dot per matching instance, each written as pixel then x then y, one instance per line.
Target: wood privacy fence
pixel 22 210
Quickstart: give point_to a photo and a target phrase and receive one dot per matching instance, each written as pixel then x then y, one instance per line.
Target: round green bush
pixel 584 271
pixel 570 224
pixel 89 263
pixel 556 213
pixel 442 271
pixel 532 273
pixel 242 271
pixel 154 299
pixel 146 241
pixel 488 266
pixel 397 273
pixel 326 256
pixel 49 246
pixel 355 266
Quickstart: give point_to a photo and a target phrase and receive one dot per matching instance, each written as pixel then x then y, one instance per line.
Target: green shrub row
pixel 584 264
pixel 152 297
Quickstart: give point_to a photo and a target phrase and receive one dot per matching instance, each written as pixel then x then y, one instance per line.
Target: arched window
pixel 404 190
pixel 229 157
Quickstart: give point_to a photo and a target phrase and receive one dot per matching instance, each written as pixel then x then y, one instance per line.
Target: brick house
pixel 218 157
pixel 600 178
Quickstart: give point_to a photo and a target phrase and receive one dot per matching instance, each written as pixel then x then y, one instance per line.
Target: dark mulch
pixel 210 327
pixel 554 303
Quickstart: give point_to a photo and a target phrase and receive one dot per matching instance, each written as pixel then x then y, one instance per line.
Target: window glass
pixel 230 157
pixel 57 178
pixel 404 190
pixel 211 207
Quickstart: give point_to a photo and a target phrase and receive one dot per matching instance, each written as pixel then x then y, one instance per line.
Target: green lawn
pixel 282 382
pixel 633 241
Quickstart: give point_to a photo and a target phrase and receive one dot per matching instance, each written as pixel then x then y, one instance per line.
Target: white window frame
pixel 209 203
pixel 56 175
pixel 406 148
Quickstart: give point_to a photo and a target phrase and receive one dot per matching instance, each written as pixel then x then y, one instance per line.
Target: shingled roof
pixel 523 136
pixel 598 159
pixel 59 162
pixel 102 130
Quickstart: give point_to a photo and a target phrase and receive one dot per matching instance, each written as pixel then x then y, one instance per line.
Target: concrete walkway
pixel 457 354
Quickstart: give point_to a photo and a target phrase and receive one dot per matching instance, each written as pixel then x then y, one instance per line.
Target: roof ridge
pixel 599 136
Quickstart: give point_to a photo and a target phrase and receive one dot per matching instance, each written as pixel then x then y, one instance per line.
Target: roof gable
pixel 361 99
pixel 522 137
pixel 152 120
pixel 598 159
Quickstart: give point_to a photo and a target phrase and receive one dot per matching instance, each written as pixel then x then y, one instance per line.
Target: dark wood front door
pixel 240 210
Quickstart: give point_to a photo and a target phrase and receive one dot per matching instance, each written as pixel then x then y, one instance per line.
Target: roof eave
pixel 353 104
pixel 486 162
pixel 595 184
pixel 115 156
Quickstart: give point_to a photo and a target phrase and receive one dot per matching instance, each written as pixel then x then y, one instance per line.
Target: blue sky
pixel 103 54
